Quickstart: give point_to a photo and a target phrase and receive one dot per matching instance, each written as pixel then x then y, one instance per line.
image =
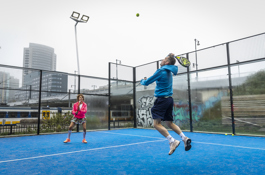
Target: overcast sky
pixel 114 32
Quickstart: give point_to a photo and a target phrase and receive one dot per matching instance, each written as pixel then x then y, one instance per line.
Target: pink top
pixel 81 113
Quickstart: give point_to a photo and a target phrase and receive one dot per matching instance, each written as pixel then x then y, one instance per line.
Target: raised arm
pixel 151 79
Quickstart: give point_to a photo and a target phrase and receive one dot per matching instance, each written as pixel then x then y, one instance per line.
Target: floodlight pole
pixel 77 21
pixel 77 48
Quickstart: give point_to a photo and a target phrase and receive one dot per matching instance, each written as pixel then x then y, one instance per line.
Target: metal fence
pixel 17 129
pixel 28 95
pixel 222 91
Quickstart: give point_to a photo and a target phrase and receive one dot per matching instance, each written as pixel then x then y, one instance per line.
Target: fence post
pixel 40 84
pixel 109 98
pixel 189 94
pixel 134 97
pixel 77 126
pixel 230 88
pixel 157 65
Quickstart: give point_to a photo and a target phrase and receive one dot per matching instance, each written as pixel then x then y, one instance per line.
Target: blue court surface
pixel 131 151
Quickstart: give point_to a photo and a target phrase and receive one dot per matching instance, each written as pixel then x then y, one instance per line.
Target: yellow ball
pixel 137 14
pixel 232 134
pixel 225 134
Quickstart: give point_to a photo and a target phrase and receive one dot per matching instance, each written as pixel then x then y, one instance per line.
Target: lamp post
pixel 238 67
pixel 196 44
pixel 84 19
pixel 28 97
pixel 117 62
pixel 94 86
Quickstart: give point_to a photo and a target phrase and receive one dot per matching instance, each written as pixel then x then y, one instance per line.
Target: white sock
pixel 69 133
pixel 182 136
pixel 170 139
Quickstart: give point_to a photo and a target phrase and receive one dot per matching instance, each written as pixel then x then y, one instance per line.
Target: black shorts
pixel 163 108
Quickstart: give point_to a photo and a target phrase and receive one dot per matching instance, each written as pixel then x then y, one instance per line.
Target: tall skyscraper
pixel 38 56
pixel 7 82
pixel 41 57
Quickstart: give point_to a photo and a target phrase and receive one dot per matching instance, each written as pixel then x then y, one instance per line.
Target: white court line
pixel 231 146
pixel 131 135
pixel 93 149
pixel 194 142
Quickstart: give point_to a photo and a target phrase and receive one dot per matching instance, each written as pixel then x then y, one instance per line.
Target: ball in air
pixel 225 134
pixel 137 14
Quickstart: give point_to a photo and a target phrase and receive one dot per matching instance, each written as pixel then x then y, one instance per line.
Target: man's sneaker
pixel 84 141
pixel 187 143
pixel 173 146
pixel 67 140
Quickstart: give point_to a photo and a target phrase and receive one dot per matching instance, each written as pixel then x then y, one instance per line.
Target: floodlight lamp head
pixel 198 43
pixel 75 15
pixel 84 18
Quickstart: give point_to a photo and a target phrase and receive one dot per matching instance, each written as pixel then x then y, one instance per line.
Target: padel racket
pixel 183 61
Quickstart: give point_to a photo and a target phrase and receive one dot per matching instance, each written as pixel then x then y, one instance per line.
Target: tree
pixel 254 84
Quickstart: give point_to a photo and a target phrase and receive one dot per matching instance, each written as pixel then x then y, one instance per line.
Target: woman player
pixel 79 111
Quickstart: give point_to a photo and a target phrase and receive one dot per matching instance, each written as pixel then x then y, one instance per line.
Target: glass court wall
pixel 121 99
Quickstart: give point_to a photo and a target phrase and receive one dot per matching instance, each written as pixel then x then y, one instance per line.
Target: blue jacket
pixel 163 78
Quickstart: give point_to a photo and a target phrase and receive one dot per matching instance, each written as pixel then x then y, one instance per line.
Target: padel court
pixel 131 151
